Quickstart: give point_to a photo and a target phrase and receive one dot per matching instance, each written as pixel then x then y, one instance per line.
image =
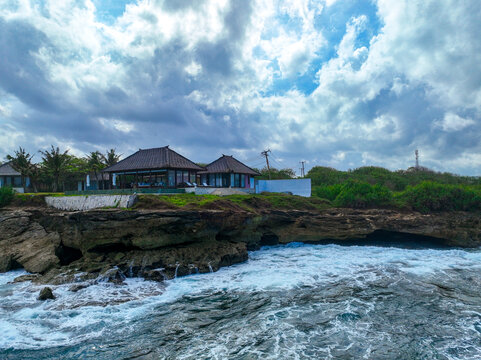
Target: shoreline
pixel 158 244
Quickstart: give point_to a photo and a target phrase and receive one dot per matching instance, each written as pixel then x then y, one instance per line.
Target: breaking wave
pixel 285 302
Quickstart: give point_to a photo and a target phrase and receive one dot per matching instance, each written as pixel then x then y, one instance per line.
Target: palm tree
pixel 55 165
pixel 111 157
pixel 95 163
pixel 22 162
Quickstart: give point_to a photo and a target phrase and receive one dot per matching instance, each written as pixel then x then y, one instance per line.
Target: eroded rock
pixel 45 294
pixel 161 244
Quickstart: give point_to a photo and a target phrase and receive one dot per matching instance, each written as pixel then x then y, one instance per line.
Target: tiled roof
pixel 228 164
pixel 157 158
pixel 7 170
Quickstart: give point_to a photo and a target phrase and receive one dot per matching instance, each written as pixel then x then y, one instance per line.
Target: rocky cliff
pixel 158 244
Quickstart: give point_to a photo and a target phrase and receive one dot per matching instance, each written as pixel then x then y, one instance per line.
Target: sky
pixel 339 83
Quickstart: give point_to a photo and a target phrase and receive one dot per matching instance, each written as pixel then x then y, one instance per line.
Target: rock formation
pixel 160 244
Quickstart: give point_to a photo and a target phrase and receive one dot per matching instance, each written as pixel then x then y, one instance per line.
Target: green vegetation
pixel 393 180
pixel 418 190
pixel 358 194
pixel 252 203
pixel 276 174
pixel 58 170
pixel 6 195
pixel 430 196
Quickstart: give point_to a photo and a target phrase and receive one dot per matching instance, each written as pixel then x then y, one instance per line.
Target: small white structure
pixel 301 187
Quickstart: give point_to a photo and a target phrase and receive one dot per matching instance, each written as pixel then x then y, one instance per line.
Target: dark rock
pixel 155 275
pixel 29 277
pixel 77 287
pixel 45 294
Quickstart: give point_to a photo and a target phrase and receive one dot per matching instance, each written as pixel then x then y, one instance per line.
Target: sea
pixel 286 302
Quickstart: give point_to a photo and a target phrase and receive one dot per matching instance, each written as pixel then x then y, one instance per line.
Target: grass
pixel 251 203
pixel 32 199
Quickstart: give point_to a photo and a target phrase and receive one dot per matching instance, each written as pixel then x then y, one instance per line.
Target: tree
pixel 96 163
pixel 276 174
pixel 22 162
pixel 55 165
pixel 111 157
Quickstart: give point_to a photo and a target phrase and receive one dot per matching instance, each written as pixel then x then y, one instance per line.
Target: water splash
pixel 131 273
pixel 210 267
pixel 176 269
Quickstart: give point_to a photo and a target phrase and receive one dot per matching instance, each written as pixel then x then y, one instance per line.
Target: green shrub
pixel 6 195
pixel 393 180
pixel 359 194
pixel 328 192
pixel 430 196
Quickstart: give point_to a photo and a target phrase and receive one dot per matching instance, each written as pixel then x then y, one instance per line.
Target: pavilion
pixel 153 168
pixel 227 171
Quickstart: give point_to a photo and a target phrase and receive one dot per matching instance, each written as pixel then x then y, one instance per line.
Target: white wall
pixel 88 202
pixel 301 187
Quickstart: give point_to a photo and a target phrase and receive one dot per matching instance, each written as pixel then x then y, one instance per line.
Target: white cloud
pixel 454 122
pixel 119 125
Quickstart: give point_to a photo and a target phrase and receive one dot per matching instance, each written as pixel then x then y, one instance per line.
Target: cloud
pixel 452 122
pixel 339 83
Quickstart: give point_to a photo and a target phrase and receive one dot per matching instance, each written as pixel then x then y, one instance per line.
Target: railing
pixel 126 192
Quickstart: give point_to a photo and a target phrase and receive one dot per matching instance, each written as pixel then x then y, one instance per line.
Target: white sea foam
pixel 104 308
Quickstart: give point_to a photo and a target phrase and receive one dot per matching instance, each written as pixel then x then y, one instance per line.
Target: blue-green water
pixel 292 302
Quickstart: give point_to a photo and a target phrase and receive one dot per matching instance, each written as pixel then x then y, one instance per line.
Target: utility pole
pixel 417 158
pixel 303 174
pixel 265 153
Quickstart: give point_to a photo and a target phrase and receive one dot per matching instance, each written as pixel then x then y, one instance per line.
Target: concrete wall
pixel 301 187
pixel 88 202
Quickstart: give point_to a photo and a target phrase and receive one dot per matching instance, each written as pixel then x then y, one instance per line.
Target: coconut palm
pixel 55 165
pixel 111 157
pixel 95 161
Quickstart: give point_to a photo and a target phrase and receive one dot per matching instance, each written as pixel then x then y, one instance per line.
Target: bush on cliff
pixel 357 194
pixel 6 195
pixel 394 180
pixel 328 192
pixel 430 196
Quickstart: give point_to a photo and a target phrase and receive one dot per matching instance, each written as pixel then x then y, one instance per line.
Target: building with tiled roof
pixel 11 177
pixel 157 167
pixel 227 171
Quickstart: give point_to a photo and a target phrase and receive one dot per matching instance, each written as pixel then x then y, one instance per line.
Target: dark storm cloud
pixel 20 74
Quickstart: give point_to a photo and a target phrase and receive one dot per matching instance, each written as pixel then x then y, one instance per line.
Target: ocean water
pixel 291 302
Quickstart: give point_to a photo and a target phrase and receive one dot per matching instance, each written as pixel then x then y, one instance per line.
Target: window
pixel 236 180
pixel 186 176
pixel 192 177
pixel 212 179
pixel 171 178
pixel 178 177
pixel 225 180
pixel 243 180
pixel 17 181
